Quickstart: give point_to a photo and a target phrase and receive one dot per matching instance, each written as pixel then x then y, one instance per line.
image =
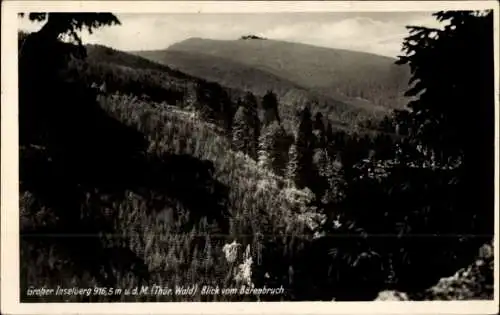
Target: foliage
pixel 475 282
pixel 155 85
pixel 215 104
pixel 250 103
pixel 403 202
pixel 319 130
pixel 57 23
pixel 241 131
pixel 300 159
pixel 447 82
pixel 273 148
pixel 246 131
pixel 64 163
pixel 270 107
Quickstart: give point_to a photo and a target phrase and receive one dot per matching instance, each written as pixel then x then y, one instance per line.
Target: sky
pixel 377 32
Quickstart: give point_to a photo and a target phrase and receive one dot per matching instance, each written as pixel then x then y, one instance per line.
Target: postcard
pixel 249 157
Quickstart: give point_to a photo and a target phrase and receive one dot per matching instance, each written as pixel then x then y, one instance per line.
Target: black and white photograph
pixel 250 156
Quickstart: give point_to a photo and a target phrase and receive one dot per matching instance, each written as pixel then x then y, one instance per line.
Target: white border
pixel 9 161
pixel 244 6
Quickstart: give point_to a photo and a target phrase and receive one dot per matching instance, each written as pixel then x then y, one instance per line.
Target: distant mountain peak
pixel 247 37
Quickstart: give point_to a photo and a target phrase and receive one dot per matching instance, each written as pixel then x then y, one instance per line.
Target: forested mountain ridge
pixel 335 76
pixel 146 74
pixel 101 53
pixel 237 75
pixel 227 72
pixel 311 66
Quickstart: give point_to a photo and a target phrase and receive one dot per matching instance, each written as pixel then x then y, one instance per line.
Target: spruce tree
pixel 214 104
pixel 319 130
pixel 271 148
pixel 227 113
pixel 252 118
pixel 301 154
pixel 241 129
pixel 266 147
pixel 329 138
pixel 246 126
pixel 42 57
pixel 270 107
pixel 81 151
pixel 452 69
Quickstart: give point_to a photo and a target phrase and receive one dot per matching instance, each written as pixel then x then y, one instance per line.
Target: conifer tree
pixel 214 104
pixel 246 126
pixel 270 107
pixel 266 147
pixel 301 153
pixel 319 130
pixel 84 148
pixel 241 129
pixel 271 148
pixel 451 69
pixel 329 138
pixel 227 114
pixel 252 119
pixel 42 56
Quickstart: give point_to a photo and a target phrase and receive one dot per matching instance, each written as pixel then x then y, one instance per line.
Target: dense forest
pixel 134 173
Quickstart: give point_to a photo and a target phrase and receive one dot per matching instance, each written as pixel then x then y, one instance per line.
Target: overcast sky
pixel 379 33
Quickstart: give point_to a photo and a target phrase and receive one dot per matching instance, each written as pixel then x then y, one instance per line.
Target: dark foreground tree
pixel 452 75
pixel 452 120
pixel 42 57
pixel 78 163
pixel 60 24
pixel 426 216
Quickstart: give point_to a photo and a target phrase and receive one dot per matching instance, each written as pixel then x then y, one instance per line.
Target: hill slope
pixel 99 53
pixel 238 76
pixel 226 72
pixel 130 74
pixel 334 76
pixel 152 77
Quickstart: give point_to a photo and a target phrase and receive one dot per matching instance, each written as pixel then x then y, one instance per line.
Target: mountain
pixel 226 72
pixel 238 76
pixel 141 76
pixel 366 83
